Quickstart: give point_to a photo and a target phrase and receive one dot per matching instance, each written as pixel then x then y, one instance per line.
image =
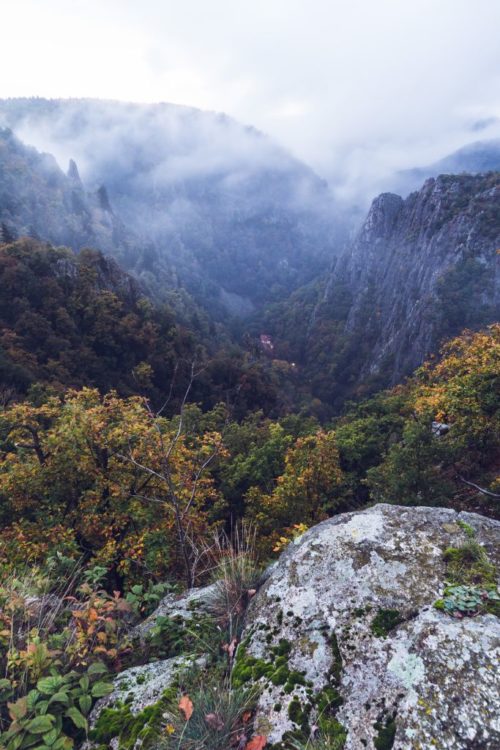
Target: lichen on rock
pixel 344 634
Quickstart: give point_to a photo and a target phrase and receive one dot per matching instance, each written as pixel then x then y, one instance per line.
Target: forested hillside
pixel 71 320
pixel 101 476
pixel 198 368
pixel 208 204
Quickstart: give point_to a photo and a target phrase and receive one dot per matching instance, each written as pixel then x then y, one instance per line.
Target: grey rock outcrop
pixel 178 606
pixel 419 272
pixel 38 200
pixel 138 688
pixel 350 606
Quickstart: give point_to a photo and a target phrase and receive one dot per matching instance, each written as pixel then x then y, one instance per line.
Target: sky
pixel 356 88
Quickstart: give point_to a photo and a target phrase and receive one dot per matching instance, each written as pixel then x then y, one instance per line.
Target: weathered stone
pixel 138 688
pixel 350 603
pixel 184 606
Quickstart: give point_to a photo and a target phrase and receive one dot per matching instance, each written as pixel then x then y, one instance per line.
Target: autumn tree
pixel 306 492
pixel 107 479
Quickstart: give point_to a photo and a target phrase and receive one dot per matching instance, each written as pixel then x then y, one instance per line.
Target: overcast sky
pixel 354 87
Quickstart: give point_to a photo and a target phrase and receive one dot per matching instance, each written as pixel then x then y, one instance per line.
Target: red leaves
pixel 256 743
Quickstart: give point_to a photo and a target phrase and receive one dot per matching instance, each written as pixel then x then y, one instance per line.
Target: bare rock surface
pixel 346 619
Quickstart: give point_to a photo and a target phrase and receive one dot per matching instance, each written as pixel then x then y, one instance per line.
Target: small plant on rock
pixel 466 601
pixel 144 599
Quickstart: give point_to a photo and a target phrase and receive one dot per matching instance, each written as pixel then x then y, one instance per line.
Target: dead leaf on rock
pixel 230 648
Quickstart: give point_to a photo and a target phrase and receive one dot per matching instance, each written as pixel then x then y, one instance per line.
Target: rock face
pixel 123 716
pixel 345 628
pixel 419 272
pixel 140 693
pixel 183 607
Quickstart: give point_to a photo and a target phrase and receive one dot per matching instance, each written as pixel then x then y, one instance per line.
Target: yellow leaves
pixel 105 473
pixel 293 532
pixel 282 542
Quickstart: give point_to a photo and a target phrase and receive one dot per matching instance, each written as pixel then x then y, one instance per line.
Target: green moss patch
pixel 384 621
pixel 248 668
pixel 386 733
pixel 119 722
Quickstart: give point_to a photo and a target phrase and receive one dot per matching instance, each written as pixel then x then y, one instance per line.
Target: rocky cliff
pixel 420 271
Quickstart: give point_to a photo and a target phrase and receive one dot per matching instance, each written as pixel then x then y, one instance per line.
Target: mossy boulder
pixel 130 716
pixel 344 635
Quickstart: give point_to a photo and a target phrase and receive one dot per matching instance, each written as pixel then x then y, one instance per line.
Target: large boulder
pixel 344 634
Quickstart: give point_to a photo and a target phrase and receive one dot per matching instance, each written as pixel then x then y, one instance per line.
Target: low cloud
pixel 358 90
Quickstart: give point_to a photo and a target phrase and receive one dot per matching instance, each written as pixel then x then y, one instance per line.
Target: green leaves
pixel 101 689
pixel 50 685
pixel 55 712
pixel 466 601
pixel 97 668
pixel 77 718
pixel 40 724
pixel 85 703
pixel 50 737
pixel 60 697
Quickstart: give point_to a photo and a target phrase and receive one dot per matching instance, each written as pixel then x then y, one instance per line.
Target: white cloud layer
pixel 357 88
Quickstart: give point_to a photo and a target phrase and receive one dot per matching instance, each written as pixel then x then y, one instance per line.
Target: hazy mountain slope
pixel 70 320
pixel 242 222
pixel 419 271
pixel 38 199
pixel 481 156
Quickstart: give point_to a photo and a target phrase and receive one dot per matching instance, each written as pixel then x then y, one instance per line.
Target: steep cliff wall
pixel 419 271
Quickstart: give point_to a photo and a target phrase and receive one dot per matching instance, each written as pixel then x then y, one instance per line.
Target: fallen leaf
pixel 256 743
pixel 251 592
pixel 246 717
pixel 186 706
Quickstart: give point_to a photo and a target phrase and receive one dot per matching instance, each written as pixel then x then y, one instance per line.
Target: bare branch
pixel 488 493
